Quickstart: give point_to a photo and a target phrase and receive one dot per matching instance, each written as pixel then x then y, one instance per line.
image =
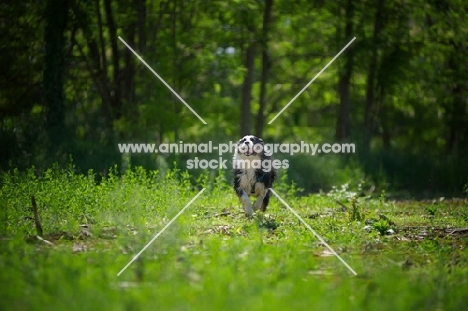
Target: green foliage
pixel 406 80
pixel 381 226
pixel 432 209
pixel 286 186
pixel 215 256
pixel 356 214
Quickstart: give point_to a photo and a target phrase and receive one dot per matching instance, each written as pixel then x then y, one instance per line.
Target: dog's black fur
pixel 250 180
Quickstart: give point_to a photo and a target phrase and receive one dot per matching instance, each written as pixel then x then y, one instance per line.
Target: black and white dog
pixel 253 173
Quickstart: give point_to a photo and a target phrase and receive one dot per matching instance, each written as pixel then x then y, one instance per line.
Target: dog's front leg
pixel 259 204
pixel 246 203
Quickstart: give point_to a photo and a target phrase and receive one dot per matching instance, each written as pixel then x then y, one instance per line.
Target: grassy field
pixel 408 255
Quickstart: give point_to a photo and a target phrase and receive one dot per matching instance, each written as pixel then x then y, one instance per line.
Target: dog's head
pixel 250 146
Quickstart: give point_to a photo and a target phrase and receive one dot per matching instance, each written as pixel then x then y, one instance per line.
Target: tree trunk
pixel 369 117
pixel 245 118
pixel 56 17
pixel 456 113
pixel 175 69
pixel 266 65
pixel 342 123
pixel 140 6
pixel 103 77
pixel 128 85
pixel 141 25
pixel 116 93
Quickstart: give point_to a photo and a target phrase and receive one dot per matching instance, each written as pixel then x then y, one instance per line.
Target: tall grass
pixel 213 257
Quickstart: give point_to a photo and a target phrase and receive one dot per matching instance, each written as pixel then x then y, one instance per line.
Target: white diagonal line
pixel 312 230
pixel 160 232
pixel 162 80
pixel 311 81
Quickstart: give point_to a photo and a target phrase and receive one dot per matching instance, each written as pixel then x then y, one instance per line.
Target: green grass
pixel 214 258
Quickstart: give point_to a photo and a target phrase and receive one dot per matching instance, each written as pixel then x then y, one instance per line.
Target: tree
pixel 344 109
pixel 266 66
pixel 372 86
pixel 56 18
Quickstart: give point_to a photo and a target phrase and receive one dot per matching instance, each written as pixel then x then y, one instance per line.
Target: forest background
pixel 70 88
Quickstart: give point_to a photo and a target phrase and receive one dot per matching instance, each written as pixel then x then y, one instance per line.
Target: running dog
pixel 253 173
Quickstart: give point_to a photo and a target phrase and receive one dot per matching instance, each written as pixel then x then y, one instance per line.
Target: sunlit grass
pixel 214 258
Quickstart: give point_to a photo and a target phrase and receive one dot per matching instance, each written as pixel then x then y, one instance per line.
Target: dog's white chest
pixel 248 182
pixel 247 179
